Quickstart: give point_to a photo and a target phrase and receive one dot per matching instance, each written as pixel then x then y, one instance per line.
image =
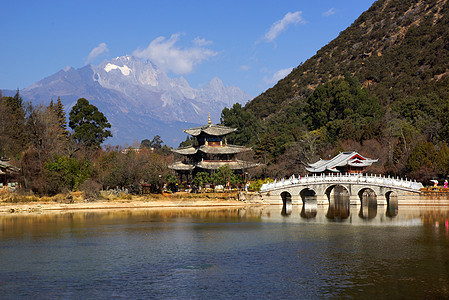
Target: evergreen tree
pixel 60 113
pixel 155 143
pixel 13 134
pixel 58 110
pixel 89 124
pixel 146 143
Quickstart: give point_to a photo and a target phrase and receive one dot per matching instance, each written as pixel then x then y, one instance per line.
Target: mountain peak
pixel 128 88
pixel 215 84
pixel 216 80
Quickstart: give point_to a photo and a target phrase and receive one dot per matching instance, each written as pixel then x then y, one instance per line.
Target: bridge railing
pixel 345 178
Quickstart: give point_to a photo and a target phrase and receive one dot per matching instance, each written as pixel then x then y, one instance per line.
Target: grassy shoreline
pixel 78 201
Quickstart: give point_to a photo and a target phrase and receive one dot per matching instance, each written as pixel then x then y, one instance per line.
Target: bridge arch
pixel 368 201
pixel 336 189
pixel 366 194
pixel 392 204
pixel 286 198
pixel 391 196
pixel 307 195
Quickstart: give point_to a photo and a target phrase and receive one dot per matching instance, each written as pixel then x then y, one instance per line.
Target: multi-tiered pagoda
pixel 210 152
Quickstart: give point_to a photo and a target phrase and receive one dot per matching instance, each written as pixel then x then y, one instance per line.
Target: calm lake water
pixel 227 253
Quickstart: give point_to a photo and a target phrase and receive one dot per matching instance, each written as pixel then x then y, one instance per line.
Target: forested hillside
pixel 381 88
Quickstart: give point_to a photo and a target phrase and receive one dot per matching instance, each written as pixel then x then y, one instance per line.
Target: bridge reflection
pixel 339 208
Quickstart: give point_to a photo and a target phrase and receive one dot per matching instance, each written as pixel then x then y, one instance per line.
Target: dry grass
pixel 21 197
pixel 111 196
pixel 79 197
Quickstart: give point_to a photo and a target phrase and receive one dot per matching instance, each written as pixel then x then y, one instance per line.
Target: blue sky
pixel 250 44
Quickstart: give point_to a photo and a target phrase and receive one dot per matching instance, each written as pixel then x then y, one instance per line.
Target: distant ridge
pixel 138 99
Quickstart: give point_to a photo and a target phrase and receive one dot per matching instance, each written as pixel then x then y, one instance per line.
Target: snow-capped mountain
pixel 138 99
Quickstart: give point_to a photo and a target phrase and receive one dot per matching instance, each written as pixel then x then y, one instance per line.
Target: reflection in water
pixel 368 209
pixel 286 203
pixel 13 224
pixel 339 207
pixel 309 210
pixel 286 209
pixel 206 253
pixel 392 208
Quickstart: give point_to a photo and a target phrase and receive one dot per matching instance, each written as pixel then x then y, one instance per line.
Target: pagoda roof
pixel 180 166
pixel 213 165
pixel 352 159
pixel 185 150
pixel 225 149
pixel 233 165
pixel 210 129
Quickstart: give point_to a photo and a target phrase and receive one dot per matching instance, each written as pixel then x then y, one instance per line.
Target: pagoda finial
pixel 209 122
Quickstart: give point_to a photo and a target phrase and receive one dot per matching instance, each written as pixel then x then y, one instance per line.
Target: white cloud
pixel 97 51
pixel 166 55
pixel 330 12
pixel 244 68
pixel 281 25
pixel 202 42
pixel 278 76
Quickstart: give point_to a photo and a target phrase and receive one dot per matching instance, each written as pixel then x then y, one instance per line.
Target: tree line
pixel 398 54
pixel 56 156
pixel 409 136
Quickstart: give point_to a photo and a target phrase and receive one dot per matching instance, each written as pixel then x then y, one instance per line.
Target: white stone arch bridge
pixel 296 189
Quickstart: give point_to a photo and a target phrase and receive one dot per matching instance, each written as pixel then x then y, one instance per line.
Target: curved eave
pixel 361 165
pixel 320 170
pixel 318 163
pixel 185 151
pixel 180 166
pixel 233 165
pixel 8 167
pixel 228 149
pixel 215 130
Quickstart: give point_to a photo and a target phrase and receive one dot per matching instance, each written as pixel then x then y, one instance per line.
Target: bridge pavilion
pixel 344 162
pixel 209 152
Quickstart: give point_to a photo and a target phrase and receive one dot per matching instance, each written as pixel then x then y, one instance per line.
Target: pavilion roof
pixel 6 167
pixel 225 149
pixel 180 166
pixel 210 129
pixel 233 165
pixel 186 150
pixel 352 159
pixel 213 165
